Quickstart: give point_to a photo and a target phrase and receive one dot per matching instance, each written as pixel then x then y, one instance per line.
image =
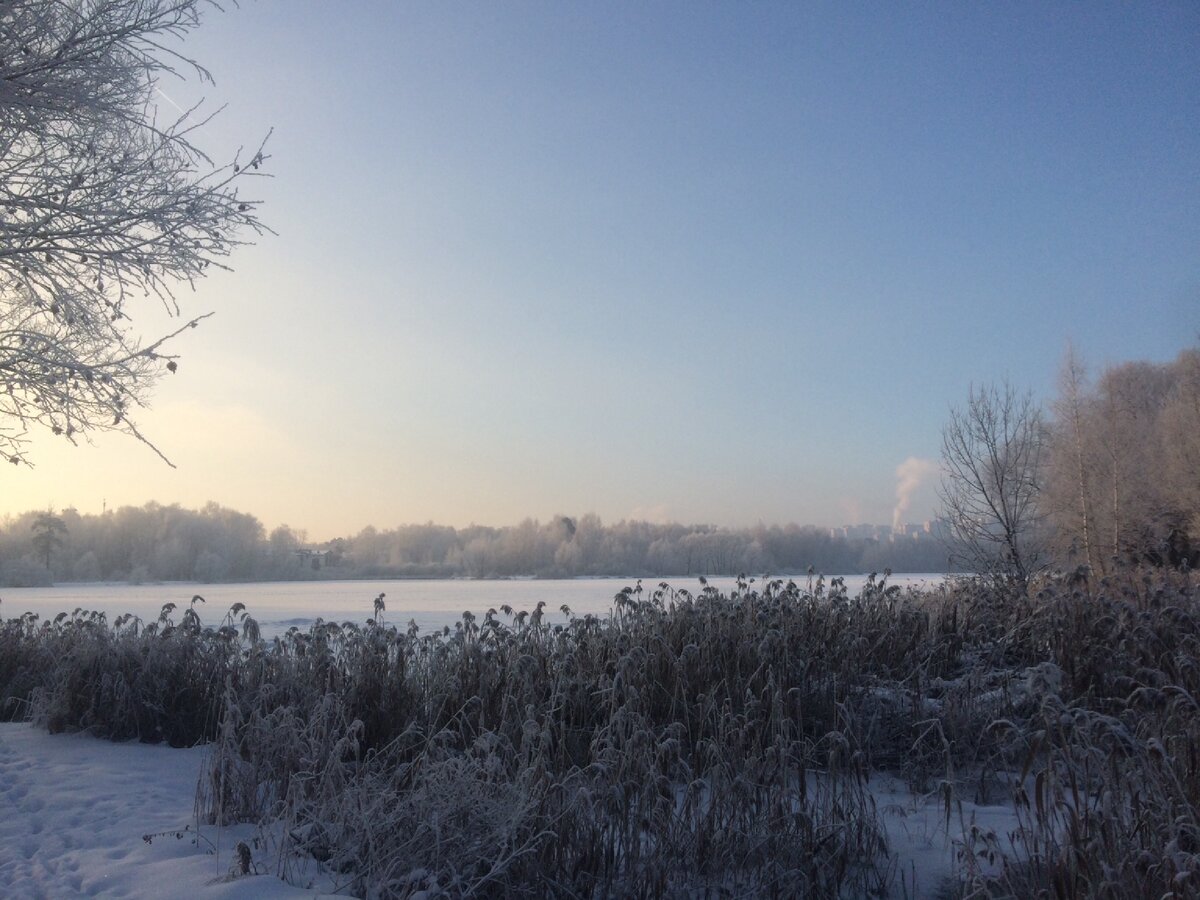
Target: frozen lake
pixel 431 604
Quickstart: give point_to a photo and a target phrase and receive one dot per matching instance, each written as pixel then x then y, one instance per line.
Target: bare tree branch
pixel 991 484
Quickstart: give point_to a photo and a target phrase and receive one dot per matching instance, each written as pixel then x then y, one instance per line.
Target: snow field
pixel 74 810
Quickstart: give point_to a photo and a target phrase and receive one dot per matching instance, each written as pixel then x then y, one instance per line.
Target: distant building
pixel 315 559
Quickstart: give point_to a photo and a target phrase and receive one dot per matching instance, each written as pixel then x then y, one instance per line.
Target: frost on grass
pixel 690 744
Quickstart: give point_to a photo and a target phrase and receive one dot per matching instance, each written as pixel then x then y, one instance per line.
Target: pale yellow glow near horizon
pixel 237 457
pixel 244 435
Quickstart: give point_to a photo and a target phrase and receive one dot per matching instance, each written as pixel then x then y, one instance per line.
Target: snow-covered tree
pixel 102 203
pixel 1123 483
pixel 48 533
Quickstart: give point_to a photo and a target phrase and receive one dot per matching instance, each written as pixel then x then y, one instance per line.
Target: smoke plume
pixel 909 476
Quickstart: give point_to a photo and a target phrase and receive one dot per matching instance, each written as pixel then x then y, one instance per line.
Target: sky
pixel 726 263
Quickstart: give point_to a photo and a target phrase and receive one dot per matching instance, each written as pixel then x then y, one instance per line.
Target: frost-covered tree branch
pixel 100 203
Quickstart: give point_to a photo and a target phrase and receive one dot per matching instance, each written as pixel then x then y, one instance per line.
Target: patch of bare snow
pixel 74 810
pixel 924 842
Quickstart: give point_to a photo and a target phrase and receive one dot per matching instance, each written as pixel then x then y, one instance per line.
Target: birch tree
pixel 1180 435
pixel 1070 487
pixel 103 202
pixel 1135 513
pixel 1124 474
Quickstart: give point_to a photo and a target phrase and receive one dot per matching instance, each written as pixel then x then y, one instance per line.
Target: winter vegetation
pixel 707 744
pixel 1106 482
pixel 687 744
pixel 170 543
pixel 104 203
pixel 1122 480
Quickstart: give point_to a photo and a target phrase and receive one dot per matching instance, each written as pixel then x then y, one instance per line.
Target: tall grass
pixel 693 743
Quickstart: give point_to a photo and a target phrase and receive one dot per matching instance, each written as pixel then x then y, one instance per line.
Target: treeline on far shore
pixel 173 543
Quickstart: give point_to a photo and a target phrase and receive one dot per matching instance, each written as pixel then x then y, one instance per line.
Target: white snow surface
pixel 74 811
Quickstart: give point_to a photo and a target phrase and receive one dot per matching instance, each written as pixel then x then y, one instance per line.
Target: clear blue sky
pixel 726 263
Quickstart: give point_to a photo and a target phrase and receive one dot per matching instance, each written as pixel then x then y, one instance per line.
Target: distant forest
pixel 1115 472
pixel 171 543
